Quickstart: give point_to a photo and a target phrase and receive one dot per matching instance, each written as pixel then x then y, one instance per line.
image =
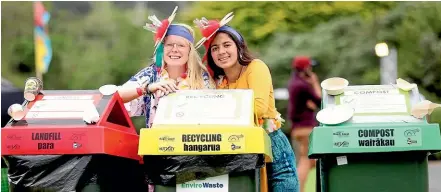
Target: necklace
pixel 240 73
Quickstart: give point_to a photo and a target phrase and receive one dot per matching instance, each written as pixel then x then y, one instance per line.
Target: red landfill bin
pixel 53 149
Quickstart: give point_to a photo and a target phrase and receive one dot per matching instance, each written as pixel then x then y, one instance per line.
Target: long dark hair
pixel 244 55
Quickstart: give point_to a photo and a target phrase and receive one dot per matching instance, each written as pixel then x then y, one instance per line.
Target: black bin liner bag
pixel 67 173
pixel 172 170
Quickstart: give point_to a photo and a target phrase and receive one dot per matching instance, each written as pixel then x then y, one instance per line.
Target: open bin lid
pixel 381 123
pixel 205 122
pixel 54 125
pixel 53 149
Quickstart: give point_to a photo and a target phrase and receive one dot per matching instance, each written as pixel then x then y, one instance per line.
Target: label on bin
pixel 61 106
pixel 198 143
pixel 212 184
pixel 189 107
pixel 342 160
pixel 375 100
pixel 377 137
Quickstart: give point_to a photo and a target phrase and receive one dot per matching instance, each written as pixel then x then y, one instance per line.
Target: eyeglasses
pixel 179 46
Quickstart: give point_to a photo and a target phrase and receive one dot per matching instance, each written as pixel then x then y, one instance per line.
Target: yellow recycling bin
pixel 214 123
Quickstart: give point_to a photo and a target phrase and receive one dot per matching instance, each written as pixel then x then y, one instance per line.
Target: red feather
pixel 213 25
pixel 161 30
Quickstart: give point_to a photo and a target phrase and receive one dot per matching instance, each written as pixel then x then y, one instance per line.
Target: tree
pixel 17 35
pixel 100 47
pixel 416 31
pixel 108 54
pixel 259 21
pixel 344 47
pixel 341 46
pixel 85 56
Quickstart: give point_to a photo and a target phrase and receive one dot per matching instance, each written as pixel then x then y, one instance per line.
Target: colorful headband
pixel 233 31
pixel 208 29
pixel 181 31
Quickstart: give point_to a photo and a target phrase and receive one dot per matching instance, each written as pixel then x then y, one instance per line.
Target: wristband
pixel 139 91
pixel 146 90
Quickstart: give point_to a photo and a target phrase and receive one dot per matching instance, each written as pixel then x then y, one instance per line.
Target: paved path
pixel 435 176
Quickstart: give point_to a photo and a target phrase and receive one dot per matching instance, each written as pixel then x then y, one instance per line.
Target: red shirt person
pixel 304 98
pixel 304 94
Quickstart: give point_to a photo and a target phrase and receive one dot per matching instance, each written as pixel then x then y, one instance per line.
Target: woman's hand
pixel 311 105
pixel 165 87
pixel 312 78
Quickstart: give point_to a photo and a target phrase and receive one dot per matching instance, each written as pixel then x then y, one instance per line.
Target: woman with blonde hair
pixel 176 66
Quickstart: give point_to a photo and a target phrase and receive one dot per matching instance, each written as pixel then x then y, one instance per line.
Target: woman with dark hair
pixel 245 56
pixel 233 67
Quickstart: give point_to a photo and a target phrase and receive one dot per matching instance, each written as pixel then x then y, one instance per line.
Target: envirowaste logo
pixel 204 185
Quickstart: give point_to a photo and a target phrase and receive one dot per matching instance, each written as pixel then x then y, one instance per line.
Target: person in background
pixel 304 99
pixel 233 67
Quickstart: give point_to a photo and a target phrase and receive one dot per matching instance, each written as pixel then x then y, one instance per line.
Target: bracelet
pixel 139 91
pixel 146 90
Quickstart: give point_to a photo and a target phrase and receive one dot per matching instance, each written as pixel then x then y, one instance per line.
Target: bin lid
pixel 376 104
pixel 381 123
pixel 205 140
pixel 374 138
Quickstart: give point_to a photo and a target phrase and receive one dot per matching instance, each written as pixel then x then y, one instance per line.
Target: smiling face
pixel 224 51
pixel 176 50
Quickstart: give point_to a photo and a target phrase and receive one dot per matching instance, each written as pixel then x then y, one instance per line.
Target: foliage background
pixel 106 44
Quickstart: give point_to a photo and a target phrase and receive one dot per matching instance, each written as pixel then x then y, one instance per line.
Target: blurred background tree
pixel 100 47
pixel 344 47
pixel 260 21
pixel 96 43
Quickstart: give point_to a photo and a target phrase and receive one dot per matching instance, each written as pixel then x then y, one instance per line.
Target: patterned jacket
pixel 142 105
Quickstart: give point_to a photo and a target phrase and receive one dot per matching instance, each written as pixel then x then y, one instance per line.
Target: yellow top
pixel 256 76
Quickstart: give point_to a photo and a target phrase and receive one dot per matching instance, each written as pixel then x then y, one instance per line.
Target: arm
pixel 259 80
pixel 314 93
pixel 311 105
pixel 132 101
pixel 129 91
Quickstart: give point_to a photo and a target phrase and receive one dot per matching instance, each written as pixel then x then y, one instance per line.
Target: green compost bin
pixel 382 148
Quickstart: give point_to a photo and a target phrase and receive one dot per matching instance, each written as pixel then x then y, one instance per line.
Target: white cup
pixel 334 85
